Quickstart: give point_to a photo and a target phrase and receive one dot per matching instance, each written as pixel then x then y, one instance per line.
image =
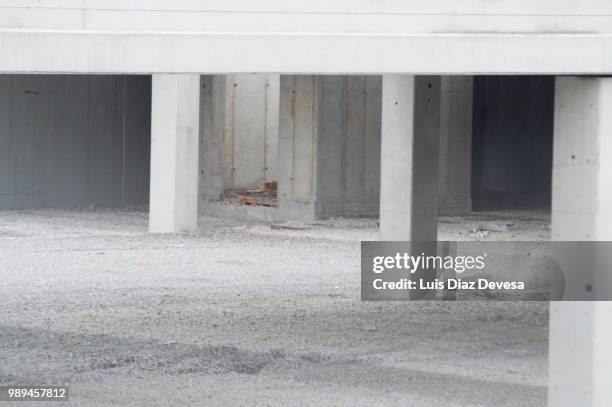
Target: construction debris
pixel 256 196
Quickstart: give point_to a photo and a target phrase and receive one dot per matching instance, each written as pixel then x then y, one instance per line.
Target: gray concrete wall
pixel 341 116
pixel 251 130
pixel 297 146
pixel 212 163
pixel 455 161
pixel 238 133
pixel 349 123
pixel 329 148
pixel 348 170
pixel 74 141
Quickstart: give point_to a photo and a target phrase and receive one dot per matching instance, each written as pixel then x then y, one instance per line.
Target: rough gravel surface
pixel 239 314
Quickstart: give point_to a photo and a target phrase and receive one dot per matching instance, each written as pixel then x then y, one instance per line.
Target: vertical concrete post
pixel 174 153
pixel 455 169
pixel 580 355
pixel 409 158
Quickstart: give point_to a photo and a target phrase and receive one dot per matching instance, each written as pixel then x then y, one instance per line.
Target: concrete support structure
pixel 329 146
pixel 174 153
pixel 409 158
pixel 239 139
pixel 455 166
pixel 580 358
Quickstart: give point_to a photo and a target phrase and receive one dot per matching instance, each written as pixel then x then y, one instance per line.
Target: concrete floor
pixel 239 314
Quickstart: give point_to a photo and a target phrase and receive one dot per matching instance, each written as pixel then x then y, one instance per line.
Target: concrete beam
pixel 409 158
pixel 57 51
pixel 174 153
pixel 580 371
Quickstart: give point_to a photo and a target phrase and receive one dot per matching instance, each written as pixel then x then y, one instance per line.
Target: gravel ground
pixel 239 314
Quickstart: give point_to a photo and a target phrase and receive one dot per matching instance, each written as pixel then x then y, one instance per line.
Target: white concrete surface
pixel 303 53
pixel 566 16
pixel 367 36
pixel 174 153
pixel 409 158
pixel 580 358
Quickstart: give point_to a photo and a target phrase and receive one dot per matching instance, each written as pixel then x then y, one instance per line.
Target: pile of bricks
pixel 259 196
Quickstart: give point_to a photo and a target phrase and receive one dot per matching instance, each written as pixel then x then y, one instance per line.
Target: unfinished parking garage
pixel 192 197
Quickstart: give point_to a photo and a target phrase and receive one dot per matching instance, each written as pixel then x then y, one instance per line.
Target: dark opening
pixel 512 142
pixel 71 141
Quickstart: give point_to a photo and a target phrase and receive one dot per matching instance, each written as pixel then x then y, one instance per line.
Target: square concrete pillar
pixel 455 166
pixel 329 146
pixel 409 158
pixel 580 356
pixel 174 153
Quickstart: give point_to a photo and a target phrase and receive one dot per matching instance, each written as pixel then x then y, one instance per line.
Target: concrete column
pixel 409 158
pixel 174 153
pixel 455 169
pixel 580 355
